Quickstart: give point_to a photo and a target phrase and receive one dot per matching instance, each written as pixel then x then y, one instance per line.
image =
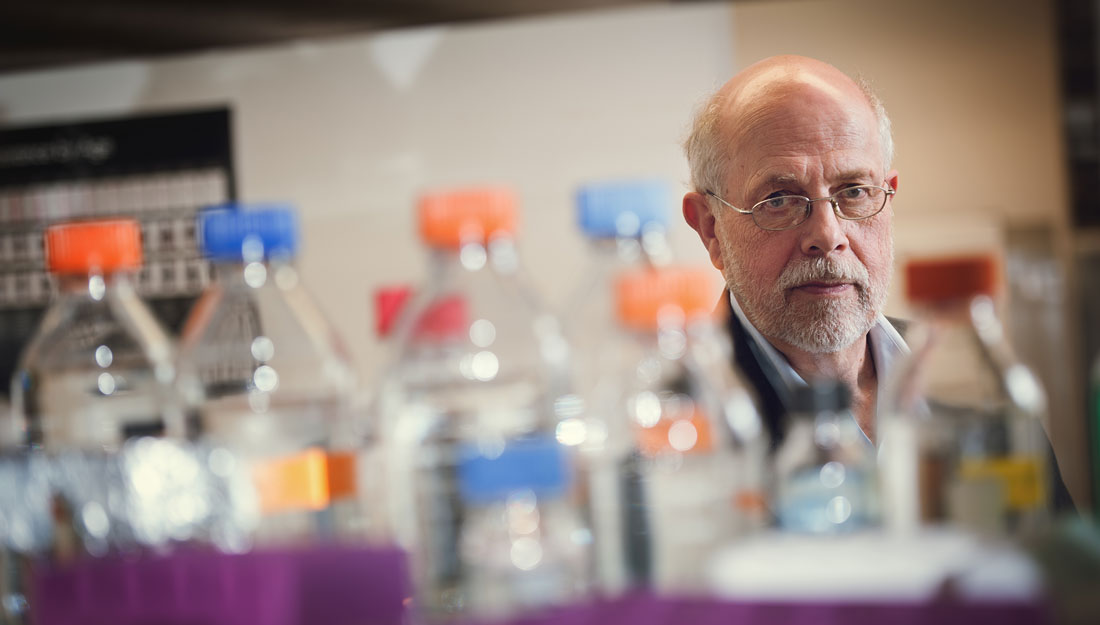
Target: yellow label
pixel 1022 477
pixel 306 481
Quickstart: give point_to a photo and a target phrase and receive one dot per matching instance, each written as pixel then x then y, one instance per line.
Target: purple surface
pixel 341 586
pixel 643 609
pixel 184 589
pixel 330 585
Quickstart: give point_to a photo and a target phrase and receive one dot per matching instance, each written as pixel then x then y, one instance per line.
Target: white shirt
pixel 887 348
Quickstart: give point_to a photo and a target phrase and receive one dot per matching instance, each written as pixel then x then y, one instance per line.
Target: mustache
pixel 824 270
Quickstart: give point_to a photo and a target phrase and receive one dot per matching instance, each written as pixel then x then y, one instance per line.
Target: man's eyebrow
pixel 773 181
pixel 856 174
pixel 781 179
pixel 777 180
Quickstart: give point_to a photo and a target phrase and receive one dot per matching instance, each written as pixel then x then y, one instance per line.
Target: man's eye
pixel 779 202
pixel 853 193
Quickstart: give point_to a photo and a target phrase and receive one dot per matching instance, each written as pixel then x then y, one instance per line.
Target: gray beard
pixel 822 326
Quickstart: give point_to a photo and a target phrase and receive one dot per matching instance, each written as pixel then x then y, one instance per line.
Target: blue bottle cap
pixel 622 208
pixel 535 464
pixel 235 231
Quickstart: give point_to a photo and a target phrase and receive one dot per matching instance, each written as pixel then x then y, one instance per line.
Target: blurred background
pixel 349 110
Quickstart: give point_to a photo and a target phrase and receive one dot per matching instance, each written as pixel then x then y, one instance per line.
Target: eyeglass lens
pixel 790 210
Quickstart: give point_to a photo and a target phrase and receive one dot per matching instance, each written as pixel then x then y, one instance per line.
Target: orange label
pixel 306 481
pixel 341 475
pixel 675 435
pixel 750 501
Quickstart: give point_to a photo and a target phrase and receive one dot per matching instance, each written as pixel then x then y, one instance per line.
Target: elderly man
pixel 808 280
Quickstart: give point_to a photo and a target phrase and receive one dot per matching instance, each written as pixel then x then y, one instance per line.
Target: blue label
pixel 536 464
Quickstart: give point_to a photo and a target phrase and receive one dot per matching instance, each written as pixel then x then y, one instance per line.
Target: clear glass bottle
pixel 825 473
pixel 378 517
pixel 625 223
pixel 100 369
pixel 683 471
pixel 477 386
pixel 962 440
pixel 276 378
pixel 96 378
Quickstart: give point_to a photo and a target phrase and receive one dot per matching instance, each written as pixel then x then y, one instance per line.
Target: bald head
pixel 778 90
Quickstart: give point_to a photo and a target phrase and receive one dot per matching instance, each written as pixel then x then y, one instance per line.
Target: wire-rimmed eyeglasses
pixel 787 211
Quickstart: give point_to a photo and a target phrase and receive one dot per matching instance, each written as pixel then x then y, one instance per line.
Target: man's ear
pixel 892 179
pixel 698 215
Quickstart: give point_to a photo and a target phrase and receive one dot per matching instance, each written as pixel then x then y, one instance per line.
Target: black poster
pixel 160 169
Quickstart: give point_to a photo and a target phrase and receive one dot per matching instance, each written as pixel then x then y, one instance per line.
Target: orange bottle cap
pixel 932 280
pixel 641 295
pixel 449 219
pixel 83 247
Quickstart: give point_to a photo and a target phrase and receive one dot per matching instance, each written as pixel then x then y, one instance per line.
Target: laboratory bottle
pixel 683 469
pixel 625 226
pixel 825 472
pixel 480 486
pixel 99 369
pixel 277 381
pixel 962 439
pixel 95 381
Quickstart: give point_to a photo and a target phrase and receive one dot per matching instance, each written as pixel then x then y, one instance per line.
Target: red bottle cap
pixel 942 279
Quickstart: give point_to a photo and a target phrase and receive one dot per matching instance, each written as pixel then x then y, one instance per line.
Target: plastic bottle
pixel 100 369
pixel 625 223
pixel 96 378
pixel 276 378
pixel 825 467
pixel 684 465
pixel 473 403
pixel 388 302
pixel 962 441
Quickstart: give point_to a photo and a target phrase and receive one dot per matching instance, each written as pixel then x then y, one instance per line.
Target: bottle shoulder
pixel 79 331
pixel 953 365
pixel 234 330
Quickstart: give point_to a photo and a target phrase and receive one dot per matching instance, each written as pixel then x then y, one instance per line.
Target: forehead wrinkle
pixel 783 113
pixel 777 139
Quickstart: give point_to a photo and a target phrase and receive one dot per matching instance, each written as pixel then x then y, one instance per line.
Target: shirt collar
pixel 887 347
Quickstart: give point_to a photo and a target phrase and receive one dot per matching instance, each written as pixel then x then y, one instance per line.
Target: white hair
pixel 885 128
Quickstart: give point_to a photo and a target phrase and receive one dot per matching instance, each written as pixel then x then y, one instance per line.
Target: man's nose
pixel 823 233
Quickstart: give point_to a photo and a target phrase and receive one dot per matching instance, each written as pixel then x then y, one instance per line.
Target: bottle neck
pixel 956 310
pixel 975 315
pixel 94 284
pixel 670 340
pixel 256 274
pixel 650 248
pixel 617 250
pixel 498 256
